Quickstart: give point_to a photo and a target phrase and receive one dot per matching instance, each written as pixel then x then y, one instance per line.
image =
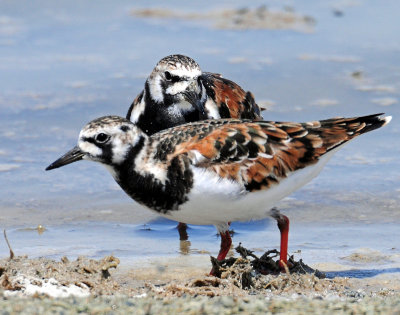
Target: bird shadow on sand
pixel 360 273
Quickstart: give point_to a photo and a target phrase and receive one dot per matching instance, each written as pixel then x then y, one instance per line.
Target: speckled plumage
pixel 216 171
pixel 177 62
pixel 187 95
pixel 256 155
pixel 178 92
pixel 227 98
pixel 259 154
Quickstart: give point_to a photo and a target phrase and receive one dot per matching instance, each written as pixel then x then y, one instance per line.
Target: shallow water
pixel 63 65
pixel 338 246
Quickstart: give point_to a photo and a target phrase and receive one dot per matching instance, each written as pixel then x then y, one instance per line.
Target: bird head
pixel 107 140
pixel 172 78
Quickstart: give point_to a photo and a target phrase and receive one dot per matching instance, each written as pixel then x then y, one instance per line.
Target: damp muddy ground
pixel 184 285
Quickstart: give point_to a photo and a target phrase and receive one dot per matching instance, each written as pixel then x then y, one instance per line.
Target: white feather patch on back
pixel 264 155
pixel 212 109
pixel 198 157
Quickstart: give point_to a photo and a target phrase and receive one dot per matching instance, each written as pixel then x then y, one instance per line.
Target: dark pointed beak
pixel 194 99
pixel 71 156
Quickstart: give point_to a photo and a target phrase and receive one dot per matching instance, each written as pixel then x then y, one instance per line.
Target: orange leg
pixel 226 242
pixel 283 225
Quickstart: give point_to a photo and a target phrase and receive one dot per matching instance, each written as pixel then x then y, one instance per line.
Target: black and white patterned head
pixel 107 140
pixel 172 76
pixel 173 94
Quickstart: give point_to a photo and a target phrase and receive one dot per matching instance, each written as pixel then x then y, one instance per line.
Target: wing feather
pixel 259 154
pixel 230 100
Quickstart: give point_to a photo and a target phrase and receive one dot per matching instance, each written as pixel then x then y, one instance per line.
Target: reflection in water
pixel 184 247
pixel 40 229
pixel 157 239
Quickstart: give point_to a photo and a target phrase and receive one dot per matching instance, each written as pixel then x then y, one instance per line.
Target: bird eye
pixel 168 76
pixel 101 138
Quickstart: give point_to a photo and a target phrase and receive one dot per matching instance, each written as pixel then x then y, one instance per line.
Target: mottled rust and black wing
pixel 167 140
pixel 259 153
pixel 229 99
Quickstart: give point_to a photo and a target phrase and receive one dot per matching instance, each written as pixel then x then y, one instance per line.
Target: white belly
pixel 216 201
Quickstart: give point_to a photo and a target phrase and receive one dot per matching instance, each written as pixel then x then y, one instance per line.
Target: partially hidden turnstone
pixel 178 92
pixel 216 171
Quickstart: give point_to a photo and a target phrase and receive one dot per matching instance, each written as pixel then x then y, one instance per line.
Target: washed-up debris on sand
pixel 252 275
pixel 81 277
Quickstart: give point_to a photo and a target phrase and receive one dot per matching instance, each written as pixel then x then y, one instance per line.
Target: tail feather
pixel 366 123
pixel 336 131
pixel 373 122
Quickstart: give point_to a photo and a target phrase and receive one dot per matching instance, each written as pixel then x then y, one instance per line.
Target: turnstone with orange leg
pixel 178 92
pixel 216 171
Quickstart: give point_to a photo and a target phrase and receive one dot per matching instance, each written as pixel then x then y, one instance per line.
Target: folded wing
pixel 259 154
pixel 229 99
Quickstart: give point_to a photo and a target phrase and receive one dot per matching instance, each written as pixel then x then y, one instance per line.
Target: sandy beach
pixel 183 285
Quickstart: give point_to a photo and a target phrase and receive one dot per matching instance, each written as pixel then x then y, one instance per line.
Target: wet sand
pixel 183 285
pixel 201 305
pixel 237 19
pixel 358 279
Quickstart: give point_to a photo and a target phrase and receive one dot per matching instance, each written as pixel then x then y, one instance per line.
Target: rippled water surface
pixel 63 64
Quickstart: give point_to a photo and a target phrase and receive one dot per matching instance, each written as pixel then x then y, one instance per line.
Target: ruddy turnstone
pixel 216 171
pixel 177 92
